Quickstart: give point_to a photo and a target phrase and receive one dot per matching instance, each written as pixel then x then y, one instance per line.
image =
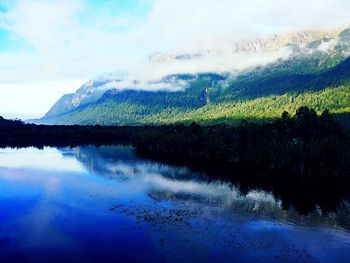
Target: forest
pixel 306 144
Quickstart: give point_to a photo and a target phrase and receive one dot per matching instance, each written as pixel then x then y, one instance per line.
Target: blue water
pixel 104 204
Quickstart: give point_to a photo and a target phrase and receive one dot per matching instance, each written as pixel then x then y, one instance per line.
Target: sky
pixel 52 47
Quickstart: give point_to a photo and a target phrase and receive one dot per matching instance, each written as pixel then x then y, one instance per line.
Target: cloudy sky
pixel 51 47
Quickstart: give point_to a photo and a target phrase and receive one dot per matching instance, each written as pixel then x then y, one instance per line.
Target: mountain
pixel 255 46
pixel 304 68
pixel 88 93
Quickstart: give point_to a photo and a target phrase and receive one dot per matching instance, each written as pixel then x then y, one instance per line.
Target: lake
pixel 105 204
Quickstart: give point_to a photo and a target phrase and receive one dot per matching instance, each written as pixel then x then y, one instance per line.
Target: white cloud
pixel 31 99
pixel 178 21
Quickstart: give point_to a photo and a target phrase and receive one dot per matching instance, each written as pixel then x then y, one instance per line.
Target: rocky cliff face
pixel 89 92
pixel 253 46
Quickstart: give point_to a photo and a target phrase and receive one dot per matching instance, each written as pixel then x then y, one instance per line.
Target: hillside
pixel 316 73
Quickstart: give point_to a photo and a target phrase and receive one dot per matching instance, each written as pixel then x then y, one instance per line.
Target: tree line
pixel 306 144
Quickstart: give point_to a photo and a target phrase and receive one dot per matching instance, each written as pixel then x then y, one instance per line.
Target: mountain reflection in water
pixel 88 204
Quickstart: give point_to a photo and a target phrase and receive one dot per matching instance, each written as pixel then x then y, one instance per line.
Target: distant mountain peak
pixel 345 35
pixel 248 46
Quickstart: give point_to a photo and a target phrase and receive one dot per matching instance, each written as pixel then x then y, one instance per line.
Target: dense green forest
pixel 261 109
pixel 186 109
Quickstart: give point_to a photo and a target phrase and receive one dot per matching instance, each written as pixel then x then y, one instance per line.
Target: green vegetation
pixel 294 75
pixel 127 112
pixel 335 99
pixel 304 144
pixel 258 95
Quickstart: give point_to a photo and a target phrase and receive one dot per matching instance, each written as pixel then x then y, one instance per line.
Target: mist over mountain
pixel 193 84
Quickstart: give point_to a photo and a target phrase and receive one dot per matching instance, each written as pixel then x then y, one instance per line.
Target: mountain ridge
pixel 318 64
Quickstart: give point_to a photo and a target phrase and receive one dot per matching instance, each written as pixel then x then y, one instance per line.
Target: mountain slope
pixel 314 69
pixel 88 93
pixel 264 108
pixel 131 106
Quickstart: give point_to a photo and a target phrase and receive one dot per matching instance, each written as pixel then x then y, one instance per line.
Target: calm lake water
pixel 104 204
